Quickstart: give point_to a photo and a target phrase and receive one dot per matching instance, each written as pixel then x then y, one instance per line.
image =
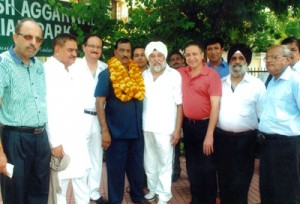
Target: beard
pixel 238 70
pixel 159 67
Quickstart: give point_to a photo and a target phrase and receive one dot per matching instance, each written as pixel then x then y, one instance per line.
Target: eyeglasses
pixel 94 46
pixel 30 37
pixel 273 57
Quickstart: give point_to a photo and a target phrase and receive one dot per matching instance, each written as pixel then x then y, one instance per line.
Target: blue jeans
pixel 125 156
pixel 30 155
pixel 201 169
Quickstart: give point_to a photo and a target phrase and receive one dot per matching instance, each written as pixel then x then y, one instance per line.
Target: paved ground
pixel 180 189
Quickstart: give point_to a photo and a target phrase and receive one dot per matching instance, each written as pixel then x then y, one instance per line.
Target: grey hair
pixel 285 50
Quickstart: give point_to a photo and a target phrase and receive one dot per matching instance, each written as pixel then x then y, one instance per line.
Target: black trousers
pixel 280 170
pixel 201 169
pixel 235 153
pixel 176 165
pixel 30 155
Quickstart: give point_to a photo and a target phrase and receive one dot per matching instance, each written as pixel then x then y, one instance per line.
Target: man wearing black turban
pixel 235 134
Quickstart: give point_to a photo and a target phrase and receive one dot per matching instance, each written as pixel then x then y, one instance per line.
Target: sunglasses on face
pixel 30 38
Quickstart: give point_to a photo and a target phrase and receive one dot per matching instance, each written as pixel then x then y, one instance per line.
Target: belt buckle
pixel 38 131
pixel 261 138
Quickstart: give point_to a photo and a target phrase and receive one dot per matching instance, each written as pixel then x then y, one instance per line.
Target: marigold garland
pixel 127 84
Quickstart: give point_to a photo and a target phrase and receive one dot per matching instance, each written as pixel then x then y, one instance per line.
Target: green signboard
pixel 52 22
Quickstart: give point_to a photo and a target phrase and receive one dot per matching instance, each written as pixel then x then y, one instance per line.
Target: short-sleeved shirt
pixel 124 119
pixel 222 69
pixel 281 105
pixel 161 100
pixel 23 91
pixel 197 90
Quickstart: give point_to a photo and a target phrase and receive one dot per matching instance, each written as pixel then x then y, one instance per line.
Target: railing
pixel 255 71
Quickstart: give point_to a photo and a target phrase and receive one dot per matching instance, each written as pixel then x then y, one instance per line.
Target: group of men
pixel 67 111
pixel 48 116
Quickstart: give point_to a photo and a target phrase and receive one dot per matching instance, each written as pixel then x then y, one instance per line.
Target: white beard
pixel 238 70
pixel 159 68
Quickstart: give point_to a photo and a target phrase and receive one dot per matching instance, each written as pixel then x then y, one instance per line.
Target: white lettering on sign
pixel 7 27
pixel 7 7
pixel 46 12
pixel 35 10
pixel 1 7
pixel 51 21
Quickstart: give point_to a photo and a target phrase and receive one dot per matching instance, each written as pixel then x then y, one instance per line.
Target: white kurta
pixel 162 97
pixel 65 117
pixel 92 127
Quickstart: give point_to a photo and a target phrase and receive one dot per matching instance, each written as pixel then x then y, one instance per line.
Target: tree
pixel 258 23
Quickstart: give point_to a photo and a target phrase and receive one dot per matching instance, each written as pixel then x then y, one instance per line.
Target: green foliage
pixel 258 23
pixel 179 21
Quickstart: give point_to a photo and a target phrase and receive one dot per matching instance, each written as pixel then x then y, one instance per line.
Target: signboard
pixel 52 22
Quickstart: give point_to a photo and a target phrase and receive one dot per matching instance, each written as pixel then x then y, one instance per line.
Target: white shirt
pixel 88 81
pixel 161 99
pixel 239 110
pixel 65 116
pixel 296 67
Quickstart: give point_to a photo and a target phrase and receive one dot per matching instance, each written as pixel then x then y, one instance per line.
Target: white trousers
pixel 80 190
pixel 94 141
pixel 158 160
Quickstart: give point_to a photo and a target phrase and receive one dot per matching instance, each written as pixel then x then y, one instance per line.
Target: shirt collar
pixel 286 74
pixel 16 58
pixel 204 71
pixel 223 64
pixel 296 66
pixel 246 78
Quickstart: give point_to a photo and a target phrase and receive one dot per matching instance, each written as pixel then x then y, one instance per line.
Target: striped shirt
pixel 22 91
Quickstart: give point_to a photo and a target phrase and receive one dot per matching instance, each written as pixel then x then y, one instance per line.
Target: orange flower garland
pixel 127 84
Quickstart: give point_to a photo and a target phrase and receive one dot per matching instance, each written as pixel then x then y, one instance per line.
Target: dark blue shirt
pixel 124 119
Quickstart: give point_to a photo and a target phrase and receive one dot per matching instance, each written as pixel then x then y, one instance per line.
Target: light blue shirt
pixel 222 69
pixel 22 90
pixel 281 105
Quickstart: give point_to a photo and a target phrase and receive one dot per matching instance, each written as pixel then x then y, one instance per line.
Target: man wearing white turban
pixel 162 118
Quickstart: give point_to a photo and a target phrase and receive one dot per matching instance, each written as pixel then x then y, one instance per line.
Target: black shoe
pixel 175 177
pixel 141 202
pixel 101 200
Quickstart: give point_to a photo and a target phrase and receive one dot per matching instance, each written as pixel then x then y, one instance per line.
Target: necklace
pixel 126 84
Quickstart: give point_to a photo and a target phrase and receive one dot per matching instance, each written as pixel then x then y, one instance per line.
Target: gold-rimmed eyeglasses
pixel 30 37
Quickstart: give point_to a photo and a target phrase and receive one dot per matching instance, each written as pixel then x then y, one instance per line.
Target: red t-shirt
pixel 196 91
